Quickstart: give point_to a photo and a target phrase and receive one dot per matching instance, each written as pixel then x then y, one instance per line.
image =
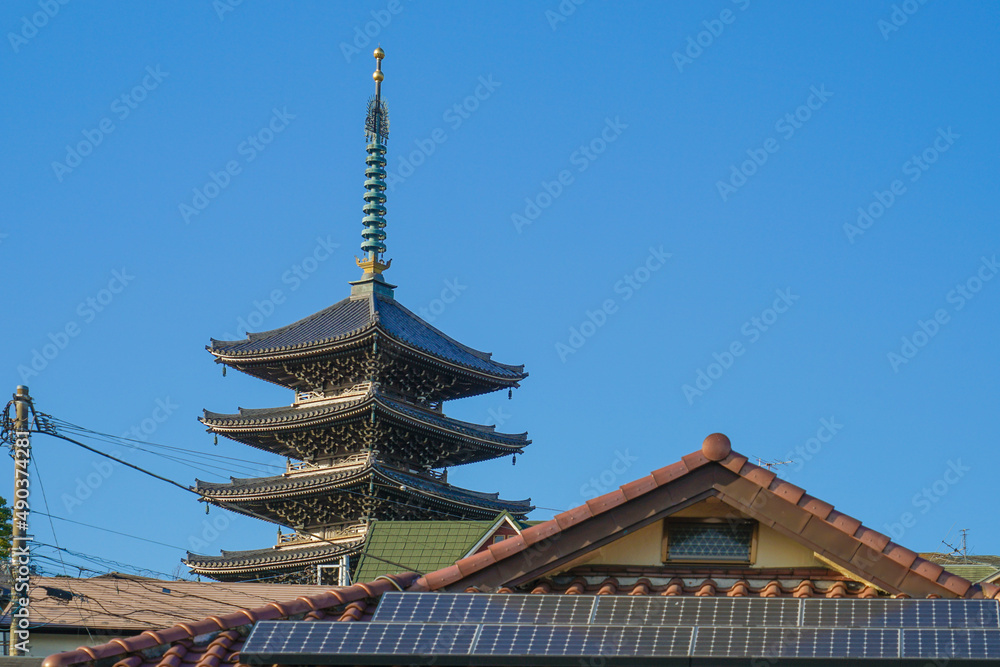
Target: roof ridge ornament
pixel 377 134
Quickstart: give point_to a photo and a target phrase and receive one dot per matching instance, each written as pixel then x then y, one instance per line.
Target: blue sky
pixel 773 220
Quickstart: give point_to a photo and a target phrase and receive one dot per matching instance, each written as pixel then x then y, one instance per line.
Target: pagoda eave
pixel 352 358
pixel 365 491
pixel 326 429
pixel 246 566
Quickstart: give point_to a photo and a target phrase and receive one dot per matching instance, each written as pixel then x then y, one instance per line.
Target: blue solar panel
pixel 796 643
pixel 903 613
pixel 534 629
pixel 973 644
pixel 628 610
pixel 480 608
pixel 583 641
pixel 296 642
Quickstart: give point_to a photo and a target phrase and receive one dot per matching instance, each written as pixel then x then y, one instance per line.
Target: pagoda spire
pixel 377 134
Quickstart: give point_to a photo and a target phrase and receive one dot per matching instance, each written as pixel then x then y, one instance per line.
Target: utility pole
pixel 20 551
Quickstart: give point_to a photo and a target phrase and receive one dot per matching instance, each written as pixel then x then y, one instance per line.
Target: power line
pixel 53 423
pixel 45 501
pixel 99 560
pixel 143 444
pixel 108 530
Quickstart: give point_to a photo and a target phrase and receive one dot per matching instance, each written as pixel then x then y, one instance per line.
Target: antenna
pixel 771 465
pixel 960 551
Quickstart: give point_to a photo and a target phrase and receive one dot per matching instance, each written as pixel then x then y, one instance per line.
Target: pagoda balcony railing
pixel 316 395
pixel 347 462
pixel 434 474
pixel 346 532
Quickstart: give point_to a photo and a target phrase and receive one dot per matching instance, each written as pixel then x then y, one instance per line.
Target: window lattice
pixel 710 541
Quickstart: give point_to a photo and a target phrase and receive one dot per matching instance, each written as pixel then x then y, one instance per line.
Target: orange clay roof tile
pixel 954 583
pixel 787 491
pixel 510 545
pixel 927 569
pixel 607 501
pixel 573 516
pixel 443 577
pixel 669 473
pixel 900 554
pixel 757 475
pixel 872 538
pixel 475 562
pixel 843 522
pixel 543 531
pixel 990 591
pixel 815 506
pixel 734 462
pixel 695 460
pixel 639 487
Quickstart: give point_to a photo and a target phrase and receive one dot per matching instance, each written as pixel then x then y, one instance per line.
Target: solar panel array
pixel 563 629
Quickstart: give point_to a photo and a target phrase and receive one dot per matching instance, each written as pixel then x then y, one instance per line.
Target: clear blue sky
pixel 543 159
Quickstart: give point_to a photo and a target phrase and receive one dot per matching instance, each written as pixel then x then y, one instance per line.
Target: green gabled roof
pixel 417 546
pixel 974 572
pixel 420 546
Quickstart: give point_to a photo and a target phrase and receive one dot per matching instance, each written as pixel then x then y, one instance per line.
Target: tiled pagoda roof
pixel 271 560
pixel 357 317
pixel 480 442
pixel 463 503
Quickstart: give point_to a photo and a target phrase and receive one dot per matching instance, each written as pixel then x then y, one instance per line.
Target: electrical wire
pixel 45 501
pixel 52 430
pixel 108 530
pixel 144 444
pixel 190 490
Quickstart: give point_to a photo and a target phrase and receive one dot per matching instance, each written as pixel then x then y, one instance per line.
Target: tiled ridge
pixel 706 587
pixel 866 545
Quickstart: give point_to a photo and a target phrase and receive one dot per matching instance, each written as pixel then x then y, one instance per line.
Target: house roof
pixel 357 316
pixel 127 602
pixel 976 568
pixel 864 562
pixel 419 546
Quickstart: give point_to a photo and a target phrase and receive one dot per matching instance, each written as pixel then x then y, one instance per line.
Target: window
pixel 497 538
pixel 712 541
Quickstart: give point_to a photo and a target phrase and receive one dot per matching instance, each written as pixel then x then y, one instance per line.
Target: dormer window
pixel 709 541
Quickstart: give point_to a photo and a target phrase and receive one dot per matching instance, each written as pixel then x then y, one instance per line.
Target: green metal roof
pixel 419 546
pixel 974 572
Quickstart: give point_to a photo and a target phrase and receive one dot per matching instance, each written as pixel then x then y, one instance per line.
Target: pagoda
pixel 366 437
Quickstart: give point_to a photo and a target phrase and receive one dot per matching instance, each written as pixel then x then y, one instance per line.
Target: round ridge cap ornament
pixel 716 447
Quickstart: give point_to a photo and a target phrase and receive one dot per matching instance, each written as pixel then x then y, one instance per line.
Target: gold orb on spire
pixel 377 75
pixel 379 53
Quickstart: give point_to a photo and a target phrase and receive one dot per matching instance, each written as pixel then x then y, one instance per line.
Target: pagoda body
pixel 366 437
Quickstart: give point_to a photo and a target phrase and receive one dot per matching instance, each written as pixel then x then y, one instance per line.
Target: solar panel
pixel 479 608
pixel 449 628
pixel 582 641
pixel 297 642
pixel 974 644
pixel 628 610
pixel 796 643
pixel 900 613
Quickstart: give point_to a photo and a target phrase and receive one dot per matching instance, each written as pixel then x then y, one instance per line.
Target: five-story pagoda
pixel 366 437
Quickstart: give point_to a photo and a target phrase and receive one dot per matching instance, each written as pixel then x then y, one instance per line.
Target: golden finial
pixel 377 75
